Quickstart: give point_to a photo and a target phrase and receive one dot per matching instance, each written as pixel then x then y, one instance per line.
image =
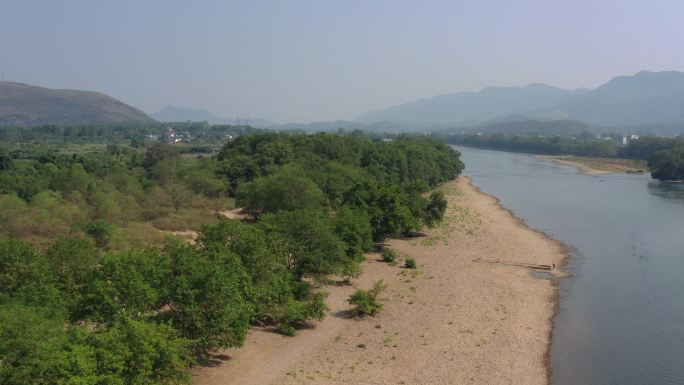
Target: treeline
pixel 664 155
pixel 547 145
pixel 136 135
pixel 269 172
pixel 642 148
pixel 76 313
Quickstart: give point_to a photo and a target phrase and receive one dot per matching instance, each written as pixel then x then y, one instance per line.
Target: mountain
pixel 646 99
pixel 562 127
pixel 185 114
pixel 27 105
pixel 344 124
pixel 467 108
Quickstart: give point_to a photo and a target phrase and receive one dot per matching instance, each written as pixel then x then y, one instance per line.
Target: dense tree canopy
pixel 668 164
pixel 87 298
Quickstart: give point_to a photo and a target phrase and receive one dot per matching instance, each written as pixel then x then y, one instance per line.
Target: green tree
pixel 206 295
pixel 137 352
pixel 129 283
pixel 668 164
pixel 31 347
pixel 72 262
pixel 388 206
pixel 352 226
pixel 313 249
pixel 284 190
pixel 264 258
pixel 20 265
pixel 435 209
pixel 158 153
pixel 366 302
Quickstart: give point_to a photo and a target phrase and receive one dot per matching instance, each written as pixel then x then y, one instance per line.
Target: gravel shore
pixel 467 315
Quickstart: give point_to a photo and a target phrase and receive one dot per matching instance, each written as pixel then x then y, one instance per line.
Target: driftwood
pixel 535 266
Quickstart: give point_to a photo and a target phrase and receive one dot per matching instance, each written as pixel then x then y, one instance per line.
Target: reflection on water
pixel 621 319
pixel 667 189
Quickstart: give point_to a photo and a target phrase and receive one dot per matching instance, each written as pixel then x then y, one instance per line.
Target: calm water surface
pixel 621 318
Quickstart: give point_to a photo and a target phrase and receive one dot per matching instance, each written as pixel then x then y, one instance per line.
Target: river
pixel 621 317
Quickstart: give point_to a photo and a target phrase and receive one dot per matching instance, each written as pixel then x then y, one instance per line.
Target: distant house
pixel 628 138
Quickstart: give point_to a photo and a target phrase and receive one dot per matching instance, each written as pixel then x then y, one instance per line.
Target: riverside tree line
pixel 665 156
pixel 82 309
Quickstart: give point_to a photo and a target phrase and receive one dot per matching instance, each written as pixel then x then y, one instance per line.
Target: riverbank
pixel 597 166
pixel 466 315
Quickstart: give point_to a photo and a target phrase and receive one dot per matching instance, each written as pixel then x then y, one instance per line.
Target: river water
pixel 621 318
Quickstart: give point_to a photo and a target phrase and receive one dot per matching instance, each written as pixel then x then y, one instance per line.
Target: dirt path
pixel 454 320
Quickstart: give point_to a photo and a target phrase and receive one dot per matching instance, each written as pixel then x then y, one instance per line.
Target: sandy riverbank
pixel 455 320
pixel 581 167
pixel 598 166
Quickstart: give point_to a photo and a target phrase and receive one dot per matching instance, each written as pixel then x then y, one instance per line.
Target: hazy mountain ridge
pixel 471 107
pixel 27 105
pixel 645 98
pixel 342 124
pixel 172 113
pixel 563 127
pixel 642 99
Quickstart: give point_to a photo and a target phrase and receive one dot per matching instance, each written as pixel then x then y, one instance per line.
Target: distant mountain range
pixel 344 124
pixel 27 105
pixel 564 127
pixel 187 114
pixel 647 102
pixel 644 99
pixel 184 114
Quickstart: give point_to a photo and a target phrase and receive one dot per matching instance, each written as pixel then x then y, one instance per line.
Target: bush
pixel 295 313
pixel 436 207
pixel 410 263
pixel 287 330
pixel 389 255
pixel 101 231
pixel 366 301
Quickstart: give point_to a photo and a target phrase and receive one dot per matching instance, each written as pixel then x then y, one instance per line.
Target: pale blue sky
pixel 324 60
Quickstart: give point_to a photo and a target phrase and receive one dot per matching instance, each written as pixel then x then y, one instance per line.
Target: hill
pixel 184 114
pixel 27 105
pixel 644 100
pixel 465 108
pixel 347 125
pixel 563 127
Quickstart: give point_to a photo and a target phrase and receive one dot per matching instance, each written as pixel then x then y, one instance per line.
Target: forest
pixel 196 133
pixel 91 292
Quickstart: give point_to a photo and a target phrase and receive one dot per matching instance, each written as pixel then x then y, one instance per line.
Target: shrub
pixel 101 231
pixel 389 255
pixel 366 301
pixel 410 263
pixel 287 330
pixel 295 312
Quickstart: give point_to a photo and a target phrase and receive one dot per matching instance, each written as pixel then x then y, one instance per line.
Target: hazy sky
pixel 324 60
